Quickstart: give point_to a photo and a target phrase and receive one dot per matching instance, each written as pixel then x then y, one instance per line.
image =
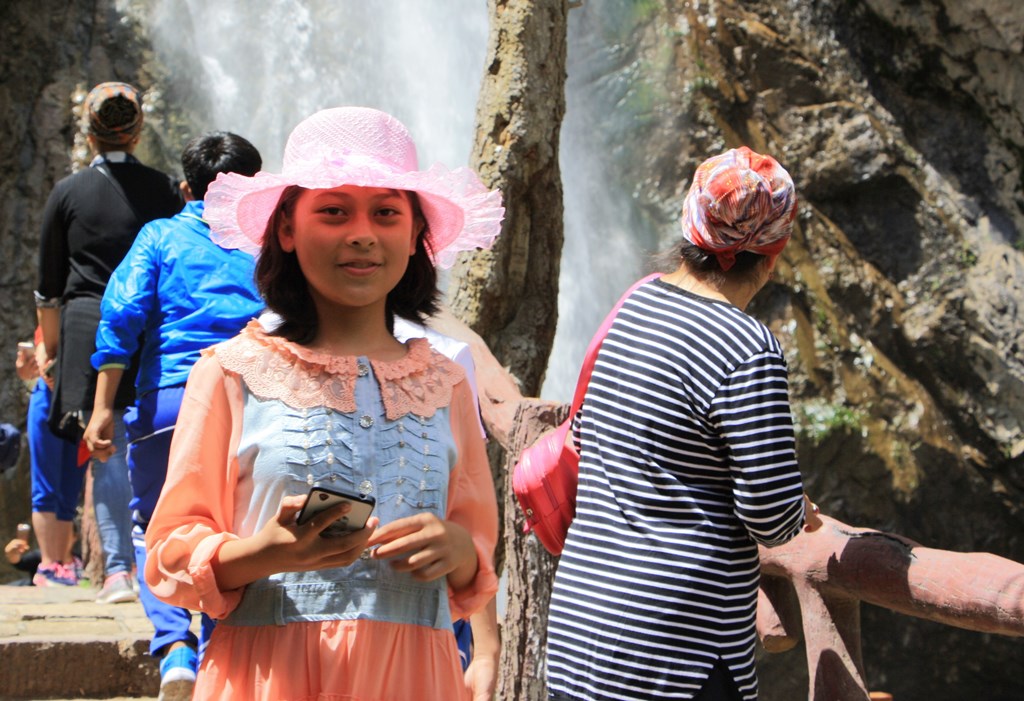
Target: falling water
pixel 606 242
pixel 264 65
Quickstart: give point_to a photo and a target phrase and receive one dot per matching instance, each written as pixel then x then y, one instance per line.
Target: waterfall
pixel 606 242
pixel 264 65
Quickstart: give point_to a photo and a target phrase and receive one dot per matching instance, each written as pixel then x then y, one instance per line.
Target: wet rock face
pixel 902 285
pixel 54 52
pixel 899 299
pixel 45 47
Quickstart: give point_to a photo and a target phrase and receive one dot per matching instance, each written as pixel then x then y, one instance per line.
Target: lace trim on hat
pixel 239 207
pixel 275 368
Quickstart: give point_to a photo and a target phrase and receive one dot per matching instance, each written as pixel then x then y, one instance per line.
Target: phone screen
pixel 323 498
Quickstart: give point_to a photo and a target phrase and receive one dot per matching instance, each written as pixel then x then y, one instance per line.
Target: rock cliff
pixel 899 300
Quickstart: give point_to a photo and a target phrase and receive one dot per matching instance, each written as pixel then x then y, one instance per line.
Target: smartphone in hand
pixel 322 498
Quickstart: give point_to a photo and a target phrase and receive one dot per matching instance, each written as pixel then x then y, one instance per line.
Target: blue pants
pixel 150 425
pixel 57 477
pixel 464 639
pixel 111 493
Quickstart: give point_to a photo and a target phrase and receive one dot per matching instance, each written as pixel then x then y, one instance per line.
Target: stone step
pixel 57 643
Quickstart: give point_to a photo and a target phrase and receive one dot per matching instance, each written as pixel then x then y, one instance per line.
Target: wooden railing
pixel 811 588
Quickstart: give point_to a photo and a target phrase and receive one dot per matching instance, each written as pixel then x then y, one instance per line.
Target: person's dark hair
pixel 704 264
pixel 206 155
pixel 284 288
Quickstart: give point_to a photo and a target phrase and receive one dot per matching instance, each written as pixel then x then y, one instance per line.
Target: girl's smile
pixel 353 243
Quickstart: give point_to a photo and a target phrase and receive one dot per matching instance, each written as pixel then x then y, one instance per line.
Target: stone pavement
pixel 56 643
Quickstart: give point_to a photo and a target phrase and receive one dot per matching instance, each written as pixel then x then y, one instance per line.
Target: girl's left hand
pixel 428 548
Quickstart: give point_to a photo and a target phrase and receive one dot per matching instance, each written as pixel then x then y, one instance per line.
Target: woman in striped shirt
pixel 687 462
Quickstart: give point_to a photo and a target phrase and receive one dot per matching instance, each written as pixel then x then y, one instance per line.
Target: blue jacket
pixel 181 292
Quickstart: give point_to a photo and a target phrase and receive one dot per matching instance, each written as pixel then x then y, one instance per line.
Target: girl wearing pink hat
pixel 687 462
pixel 348 236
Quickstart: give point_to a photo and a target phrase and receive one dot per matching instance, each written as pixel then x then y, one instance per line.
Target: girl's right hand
pixel 284 546
pixel 315 551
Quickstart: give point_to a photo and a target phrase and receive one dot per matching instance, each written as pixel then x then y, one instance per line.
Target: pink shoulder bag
pixel 545 478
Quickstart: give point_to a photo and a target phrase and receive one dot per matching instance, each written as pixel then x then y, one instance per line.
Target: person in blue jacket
pixel 177 293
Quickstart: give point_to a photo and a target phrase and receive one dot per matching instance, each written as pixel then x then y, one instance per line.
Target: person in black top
pixel 89 223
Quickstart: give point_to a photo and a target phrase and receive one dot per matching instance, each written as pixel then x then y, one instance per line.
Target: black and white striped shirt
pixel 687 462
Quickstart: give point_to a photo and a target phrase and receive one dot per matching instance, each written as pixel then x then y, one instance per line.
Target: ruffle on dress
pixel 273 367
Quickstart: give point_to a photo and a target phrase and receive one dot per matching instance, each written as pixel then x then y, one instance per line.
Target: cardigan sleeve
pixel 195 513
pixel 472 502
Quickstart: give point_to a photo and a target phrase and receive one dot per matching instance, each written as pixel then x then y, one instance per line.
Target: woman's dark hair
pixel 283 285
pixel 705 264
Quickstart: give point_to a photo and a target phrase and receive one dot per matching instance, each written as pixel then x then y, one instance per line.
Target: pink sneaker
pixel 54 575
pixel 77 566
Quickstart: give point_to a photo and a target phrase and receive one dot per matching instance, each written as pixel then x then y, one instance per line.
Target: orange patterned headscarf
pixel 739 201
pixel 113 112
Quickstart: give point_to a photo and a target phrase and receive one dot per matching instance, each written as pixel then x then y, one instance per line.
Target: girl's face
pixel 353 243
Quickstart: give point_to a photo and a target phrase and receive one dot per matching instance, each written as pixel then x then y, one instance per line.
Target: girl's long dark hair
pixel 283 285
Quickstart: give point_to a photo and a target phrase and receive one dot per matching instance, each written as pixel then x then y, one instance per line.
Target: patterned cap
pixel 739 201
pixel 113 112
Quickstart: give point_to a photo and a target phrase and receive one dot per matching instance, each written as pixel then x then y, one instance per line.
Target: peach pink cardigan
pixel 360 660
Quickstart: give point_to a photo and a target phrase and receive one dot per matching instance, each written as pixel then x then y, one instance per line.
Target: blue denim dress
pixel 404 463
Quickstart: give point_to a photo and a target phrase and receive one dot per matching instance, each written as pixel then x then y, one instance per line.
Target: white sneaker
pixel 117 589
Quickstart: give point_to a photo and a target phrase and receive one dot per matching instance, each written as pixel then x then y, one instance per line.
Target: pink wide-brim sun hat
pixel 368 148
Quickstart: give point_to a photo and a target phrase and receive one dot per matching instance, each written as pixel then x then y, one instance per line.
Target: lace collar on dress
pixel 275 368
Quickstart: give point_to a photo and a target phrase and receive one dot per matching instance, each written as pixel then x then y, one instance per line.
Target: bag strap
pixel 595 345
pixel 102 167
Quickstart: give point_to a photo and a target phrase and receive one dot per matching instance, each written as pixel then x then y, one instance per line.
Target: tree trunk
pixel 531 572
pixel 509 295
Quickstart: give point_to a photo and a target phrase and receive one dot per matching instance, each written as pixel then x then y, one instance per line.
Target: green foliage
pixel 968 257
pixel 702 82
pixel 619 19
pixel 816 421
pixel 641 99
pixel 644 10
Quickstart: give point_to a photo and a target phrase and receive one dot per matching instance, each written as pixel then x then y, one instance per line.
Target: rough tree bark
pixel 531 572
pixel 509 295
